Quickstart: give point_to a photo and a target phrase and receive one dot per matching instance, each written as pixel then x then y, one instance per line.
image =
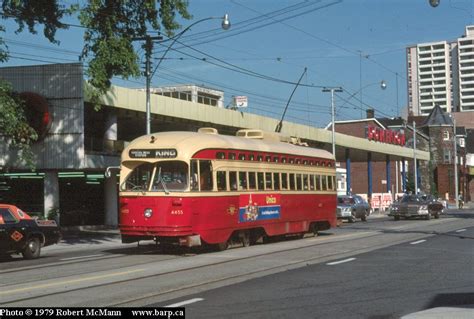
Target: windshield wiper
pixel 160 180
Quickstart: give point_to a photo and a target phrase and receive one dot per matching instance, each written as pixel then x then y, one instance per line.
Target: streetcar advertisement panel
pixel 253 207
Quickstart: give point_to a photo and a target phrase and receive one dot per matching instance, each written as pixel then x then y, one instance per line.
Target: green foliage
pixel 13 124
pixel 111 26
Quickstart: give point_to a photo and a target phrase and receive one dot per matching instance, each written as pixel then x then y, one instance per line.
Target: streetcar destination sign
pixel 157 153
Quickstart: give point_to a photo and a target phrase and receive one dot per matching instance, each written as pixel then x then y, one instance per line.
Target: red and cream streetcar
pixel 195 188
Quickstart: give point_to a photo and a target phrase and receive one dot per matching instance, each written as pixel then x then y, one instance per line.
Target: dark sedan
pixel 422 206
pixel 350 207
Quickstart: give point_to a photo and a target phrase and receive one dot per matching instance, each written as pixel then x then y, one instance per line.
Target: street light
pixel 383 86
pixel 333 115
pixel 148 49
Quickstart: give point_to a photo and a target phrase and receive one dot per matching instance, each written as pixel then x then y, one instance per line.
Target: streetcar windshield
pixel 170 175
pixel 166 175
pixel 139 178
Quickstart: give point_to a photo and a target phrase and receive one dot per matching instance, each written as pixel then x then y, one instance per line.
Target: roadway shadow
pixel 461 299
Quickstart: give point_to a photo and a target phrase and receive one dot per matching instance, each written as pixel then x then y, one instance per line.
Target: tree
pixel 110 26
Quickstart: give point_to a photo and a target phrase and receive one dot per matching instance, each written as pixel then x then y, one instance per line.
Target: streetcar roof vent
pixel 260 135
pixel 297 141
pixel 208 130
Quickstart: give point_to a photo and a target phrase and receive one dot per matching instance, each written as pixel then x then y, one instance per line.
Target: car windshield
pixel 410 199
pixel 345 200
pixel 166 175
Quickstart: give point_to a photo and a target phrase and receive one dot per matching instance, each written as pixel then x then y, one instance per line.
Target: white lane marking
pixel 81 257
pixel 340 262
pixel 460 230
pixel 186 302
pixel 418 242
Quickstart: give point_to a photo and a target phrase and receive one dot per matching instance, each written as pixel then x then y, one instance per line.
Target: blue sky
pixel 277 39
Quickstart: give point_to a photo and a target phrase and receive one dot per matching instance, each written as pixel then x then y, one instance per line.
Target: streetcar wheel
pixel 364 217
pixel 428 217
pixel 222 246
pixel 437 216
pixel 396 217
pixel 32 249
pixel 245 238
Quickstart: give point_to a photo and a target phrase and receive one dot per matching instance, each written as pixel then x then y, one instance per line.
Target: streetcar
pixel 205 188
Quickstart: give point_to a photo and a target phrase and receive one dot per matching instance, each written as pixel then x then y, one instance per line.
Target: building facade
pixel 441 73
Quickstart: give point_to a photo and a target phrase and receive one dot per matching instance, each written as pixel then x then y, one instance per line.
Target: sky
pixel 353 44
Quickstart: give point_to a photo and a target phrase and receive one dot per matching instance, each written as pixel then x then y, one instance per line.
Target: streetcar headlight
pixel 148 212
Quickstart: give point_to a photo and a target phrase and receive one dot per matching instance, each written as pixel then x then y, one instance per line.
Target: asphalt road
pixel 386 283
pixel 383 269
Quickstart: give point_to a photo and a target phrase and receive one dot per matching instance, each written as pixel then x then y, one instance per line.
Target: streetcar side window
pixel 292 181
pixel 298 182
pixel 221 181
pixel 233 181
pixel 311 182
pixel 284 181
pixel 205 175
pixel 330 183
pixel 305 182
pixel 261 181
pixel 318 182
pixel 268 181
pixel 276 181
pixel 252 181
pixel 324 183
pixel 194 175
pixel 242 180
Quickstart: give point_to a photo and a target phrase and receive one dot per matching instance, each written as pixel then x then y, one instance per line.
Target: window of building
pixel 445 135
pixel 447 156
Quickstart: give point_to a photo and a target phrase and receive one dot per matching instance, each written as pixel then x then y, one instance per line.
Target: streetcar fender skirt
pixel 190 241
pixel 126 239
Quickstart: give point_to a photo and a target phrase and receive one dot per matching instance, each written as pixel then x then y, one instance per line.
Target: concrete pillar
pixel 369 174
pixel 111 200
pixel 111 125
pixel 50 191
pixel 348 171
pixel 404 180
pixel 387 170
pixel 110 184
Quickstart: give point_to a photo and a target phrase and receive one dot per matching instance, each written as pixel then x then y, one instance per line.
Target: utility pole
pixel 333 116
pixel 414 158
pixel 456 187
pixel 148 49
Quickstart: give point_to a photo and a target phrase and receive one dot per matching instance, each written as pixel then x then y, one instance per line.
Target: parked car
pixel 19 233
pixel 411 205
pixel 351 207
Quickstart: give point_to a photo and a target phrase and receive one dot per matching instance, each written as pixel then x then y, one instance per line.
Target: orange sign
pixel 16 236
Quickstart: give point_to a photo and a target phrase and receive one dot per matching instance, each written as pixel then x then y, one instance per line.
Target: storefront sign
pixel 385 136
